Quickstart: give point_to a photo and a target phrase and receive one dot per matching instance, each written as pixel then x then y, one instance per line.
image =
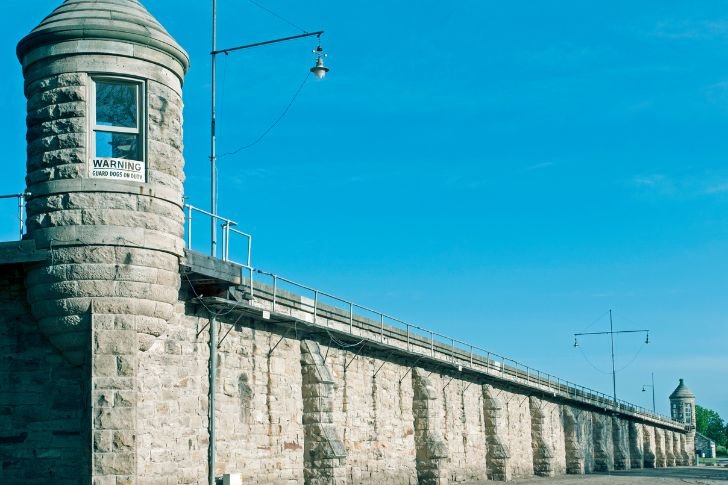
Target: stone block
pixel 115 342
pixel 114 463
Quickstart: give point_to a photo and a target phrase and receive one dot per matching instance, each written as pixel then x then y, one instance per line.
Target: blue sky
pixel 504 172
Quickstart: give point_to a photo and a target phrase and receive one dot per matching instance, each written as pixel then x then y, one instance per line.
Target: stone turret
pixel 682 409
pixel 682 404
pixel 103 81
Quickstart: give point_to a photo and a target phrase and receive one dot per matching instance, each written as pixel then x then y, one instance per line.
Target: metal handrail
pixel 460 352
pixel 228 227
pixel 21 207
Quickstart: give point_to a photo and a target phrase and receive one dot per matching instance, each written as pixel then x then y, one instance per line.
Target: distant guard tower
pixel 682 409
pixel 103 81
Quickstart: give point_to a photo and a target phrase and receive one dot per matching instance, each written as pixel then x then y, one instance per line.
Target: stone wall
pixel 44 400
pixel 292 407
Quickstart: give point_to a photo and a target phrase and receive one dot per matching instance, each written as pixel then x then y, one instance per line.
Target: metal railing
pixel 21 211
pixel 228 228
pixel 385 328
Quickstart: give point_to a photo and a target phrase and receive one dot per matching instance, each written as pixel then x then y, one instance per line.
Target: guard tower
pixel 103 80
pixel 682 409
pixel 682 404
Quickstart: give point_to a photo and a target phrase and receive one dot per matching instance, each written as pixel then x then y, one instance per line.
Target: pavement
pixel 658 476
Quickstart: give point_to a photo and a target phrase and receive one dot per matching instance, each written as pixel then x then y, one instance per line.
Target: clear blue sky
pixel 504 172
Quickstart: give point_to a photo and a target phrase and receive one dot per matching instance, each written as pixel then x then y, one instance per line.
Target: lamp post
pixel 644 386
pixel 611 334
pixel 318 70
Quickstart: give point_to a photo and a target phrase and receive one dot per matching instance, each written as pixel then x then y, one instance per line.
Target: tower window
pixel 116 119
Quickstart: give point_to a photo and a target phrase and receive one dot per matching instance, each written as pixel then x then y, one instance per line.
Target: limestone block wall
pixel 431 450
pixel 463 429
pixel 636 445
pixel 574 441
pixel 280 394
pixel 660 451
pixel 603 442
pixel 172 404
pixel 649 446
pixel 517 437
pixel 44 417
pixel 547 438
pixel 498 453
pixel 669 449
pixel 373 404
pixel 620 438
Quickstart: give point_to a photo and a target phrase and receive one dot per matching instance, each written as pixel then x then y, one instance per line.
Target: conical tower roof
pixel 115 20
pixel 682 392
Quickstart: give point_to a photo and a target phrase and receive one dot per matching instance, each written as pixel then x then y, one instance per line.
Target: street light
pixel 644 389
pixel 318 70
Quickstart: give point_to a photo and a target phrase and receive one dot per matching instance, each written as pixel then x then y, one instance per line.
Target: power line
pixel 278 16
pixel 273 125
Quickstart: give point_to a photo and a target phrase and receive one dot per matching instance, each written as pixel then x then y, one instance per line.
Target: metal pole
pixel 654 408
pixel 614 374
pixel 212 377
pixel 213 134
pixel 21 200
pixel 189 227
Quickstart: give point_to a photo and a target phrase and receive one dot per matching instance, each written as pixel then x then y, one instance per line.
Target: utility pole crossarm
pixel 608 333
pixel 318 33
pixel 611 334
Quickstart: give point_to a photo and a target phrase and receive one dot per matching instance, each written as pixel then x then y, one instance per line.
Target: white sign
pixel 117 169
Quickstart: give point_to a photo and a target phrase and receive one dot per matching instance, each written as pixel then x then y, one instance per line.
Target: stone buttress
pixel 543 455
pixel 498 454
pixel 574 441
pixel 103 81
pixel 431 449
pixel 324 454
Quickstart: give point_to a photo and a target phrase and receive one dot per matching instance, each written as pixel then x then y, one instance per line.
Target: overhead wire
pixel 274 124
pixel 278 16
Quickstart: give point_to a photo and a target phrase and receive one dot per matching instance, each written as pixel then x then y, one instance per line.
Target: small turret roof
pixel 121 20
pixel 682 392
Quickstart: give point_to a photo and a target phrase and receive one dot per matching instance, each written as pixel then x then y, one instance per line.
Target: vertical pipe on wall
pixel 212 378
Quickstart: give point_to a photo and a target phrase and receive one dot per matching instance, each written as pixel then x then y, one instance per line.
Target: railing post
pixel 381 327
pixel 189 226
pixel 251 282
pixel 432 344
pixel 226 241
pixel 275 288
pixel 452 350
pixel 250 249
pixel 21 204
pixel 351 318
pixel 471 357
pixel 315 304
pixel 408 338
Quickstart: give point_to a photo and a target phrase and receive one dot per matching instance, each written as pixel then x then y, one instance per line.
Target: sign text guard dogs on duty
pixel 117 169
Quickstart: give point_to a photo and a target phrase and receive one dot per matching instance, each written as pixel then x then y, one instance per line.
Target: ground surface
pixel 660 476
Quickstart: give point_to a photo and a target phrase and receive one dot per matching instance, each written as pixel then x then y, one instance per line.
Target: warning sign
pixel 117 169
